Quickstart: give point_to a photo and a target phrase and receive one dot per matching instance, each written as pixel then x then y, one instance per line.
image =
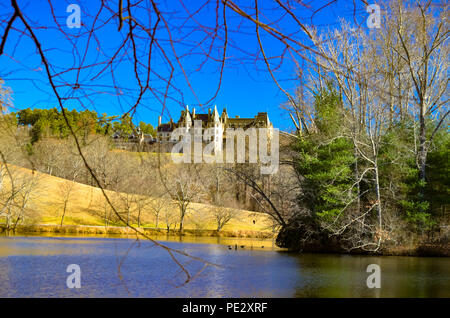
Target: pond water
pixel 32 266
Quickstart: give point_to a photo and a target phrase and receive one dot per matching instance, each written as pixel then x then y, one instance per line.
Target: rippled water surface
pixel 119 267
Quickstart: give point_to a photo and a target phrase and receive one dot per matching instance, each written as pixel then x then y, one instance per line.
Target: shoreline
pixel 413 250
pixel 124 230
pixel 233 240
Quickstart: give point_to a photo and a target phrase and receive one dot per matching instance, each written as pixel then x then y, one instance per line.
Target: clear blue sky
pixel 246 85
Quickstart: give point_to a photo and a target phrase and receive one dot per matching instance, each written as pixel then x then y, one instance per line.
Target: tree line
pixel 51 122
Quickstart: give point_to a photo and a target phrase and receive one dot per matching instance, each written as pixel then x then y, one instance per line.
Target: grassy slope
pixel 86 207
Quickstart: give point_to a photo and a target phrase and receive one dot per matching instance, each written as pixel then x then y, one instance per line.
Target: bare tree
pixel 170 217
pixel 183 185
pixel 223 215
pixel 66 189
pixel 422 43
pixel 15 196
pixel 126 205
pixel 257 183
pixel 157 205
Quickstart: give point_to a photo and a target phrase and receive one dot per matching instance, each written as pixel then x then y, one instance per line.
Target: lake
pixel 32 266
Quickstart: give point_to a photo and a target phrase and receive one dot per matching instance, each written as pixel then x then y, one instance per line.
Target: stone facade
pixel 218 123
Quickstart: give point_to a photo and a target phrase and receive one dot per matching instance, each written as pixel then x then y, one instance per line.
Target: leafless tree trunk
pixel 65 190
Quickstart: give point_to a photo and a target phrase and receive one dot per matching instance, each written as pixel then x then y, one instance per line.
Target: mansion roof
pixel 261 120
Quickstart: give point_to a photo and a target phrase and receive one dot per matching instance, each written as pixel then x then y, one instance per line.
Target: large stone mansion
pixel 211 120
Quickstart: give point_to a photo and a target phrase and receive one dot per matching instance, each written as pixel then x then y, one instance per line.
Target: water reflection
pixel 118 267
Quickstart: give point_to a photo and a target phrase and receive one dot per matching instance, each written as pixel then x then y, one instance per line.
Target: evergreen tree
pixel 325 160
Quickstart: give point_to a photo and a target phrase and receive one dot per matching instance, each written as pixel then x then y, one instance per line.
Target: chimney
pixel 193 113
pixel 159 121
pixel 209 112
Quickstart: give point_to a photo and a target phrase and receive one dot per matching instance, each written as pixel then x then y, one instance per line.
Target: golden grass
pixel 86 207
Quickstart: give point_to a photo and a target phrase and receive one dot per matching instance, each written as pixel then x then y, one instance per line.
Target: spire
pixel 215 114
pixel 188 119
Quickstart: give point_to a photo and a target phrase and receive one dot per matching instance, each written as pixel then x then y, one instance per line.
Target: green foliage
pixel 325 160
pixel 419 202
pixel 437 190
pixel 328 116
pixel 105 126
pixel 124 126
pixel 51 122
pixel 147 129
pixel 416 213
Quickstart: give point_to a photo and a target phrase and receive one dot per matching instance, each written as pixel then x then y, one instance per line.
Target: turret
pixel 216 114
pixel 224 115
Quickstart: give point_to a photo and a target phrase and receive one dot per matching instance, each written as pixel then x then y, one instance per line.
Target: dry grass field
pixel 86 205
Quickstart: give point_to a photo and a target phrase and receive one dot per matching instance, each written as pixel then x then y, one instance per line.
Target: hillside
pixel 86 205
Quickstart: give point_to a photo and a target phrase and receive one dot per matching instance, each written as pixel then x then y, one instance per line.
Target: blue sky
pixel 246 89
